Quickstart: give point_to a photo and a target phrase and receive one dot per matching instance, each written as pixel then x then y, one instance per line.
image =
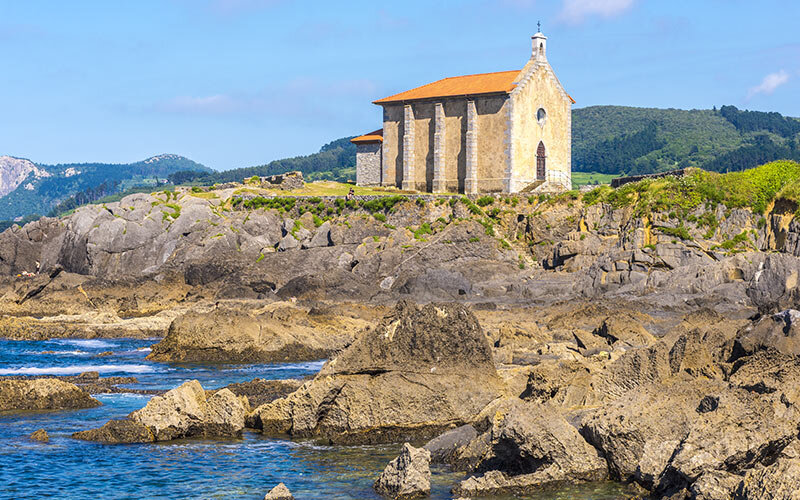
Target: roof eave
pixel 381 102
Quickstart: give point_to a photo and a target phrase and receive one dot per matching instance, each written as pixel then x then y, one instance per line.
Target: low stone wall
pixel 619 181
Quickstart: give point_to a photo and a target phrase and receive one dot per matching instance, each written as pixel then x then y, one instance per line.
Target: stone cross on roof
pixel 539 26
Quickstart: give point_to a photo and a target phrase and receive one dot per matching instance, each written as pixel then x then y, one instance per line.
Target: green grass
pixel 755 188
pixel 585 178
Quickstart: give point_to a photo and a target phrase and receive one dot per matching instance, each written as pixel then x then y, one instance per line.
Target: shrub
pixel 484 201
pixel 679 232
pixel 380 217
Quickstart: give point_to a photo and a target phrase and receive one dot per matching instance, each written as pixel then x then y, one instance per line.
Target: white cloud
pixel 576 11
pixel 768 85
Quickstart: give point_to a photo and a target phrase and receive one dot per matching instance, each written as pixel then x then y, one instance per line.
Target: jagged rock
pixel 279 492
pixel 407 476
pixel 744 431
pixel 639 432
pixel 39 435
pixel 42 394
pixel 259 391
pixel 419 371
pixel 624 328
pixel 185 411
pixel 715 485
pixel 288 242
pixel 779 331
pixel 779 481
pixel 773 286
pixel 529 446
pixel 321 237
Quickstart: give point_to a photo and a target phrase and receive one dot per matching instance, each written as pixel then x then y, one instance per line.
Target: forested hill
pixel 39 187
pixel 334 161
pixel 618 139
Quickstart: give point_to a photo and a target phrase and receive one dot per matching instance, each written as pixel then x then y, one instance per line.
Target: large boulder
pixel 185 411
pixel 230 334
pixel 42 394
pixel 419 371
pixel 639 432
pixel 407 476
pixel 528 447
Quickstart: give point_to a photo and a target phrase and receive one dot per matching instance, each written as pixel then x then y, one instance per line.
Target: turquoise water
pixel 238 468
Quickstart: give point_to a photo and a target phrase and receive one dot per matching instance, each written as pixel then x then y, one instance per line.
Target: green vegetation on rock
pixel 755 188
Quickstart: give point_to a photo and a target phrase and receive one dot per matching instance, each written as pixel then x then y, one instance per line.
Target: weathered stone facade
pixel 478 133
pixel 368 164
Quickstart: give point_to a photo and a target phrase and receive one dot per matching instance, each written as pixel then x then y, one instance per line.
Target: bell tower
pixel 539 44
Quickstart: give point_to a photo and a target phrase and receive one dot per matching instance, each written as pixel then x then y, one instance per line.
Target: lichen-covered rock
pixel 419 371
pixel 407 476
pixel 42 394
pixel 183 412
pixel 279 492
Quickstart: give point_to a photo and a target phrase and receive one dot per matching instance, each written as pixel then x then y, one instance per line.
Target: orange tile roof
pixel 376 136
pixel 484 83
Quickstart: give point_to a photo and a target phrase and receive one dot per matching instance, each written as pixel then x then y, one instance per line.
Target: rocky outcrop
pixel 183 412
pixel 407 476
pixel 528 446
pixel 418 371
pixel 278 332
pixel 279 492
pixel 42 394
pixel 14 171
pixel 780 480
pixel 779 331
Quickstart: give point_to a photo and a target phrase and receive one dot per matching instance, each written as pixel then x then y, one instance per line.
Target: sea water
pixel 243 468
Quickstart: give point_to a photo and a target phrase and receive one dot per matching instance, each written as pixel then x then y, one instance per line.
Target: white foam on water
pixel 86 343
pixel 76 369
pixel 144 349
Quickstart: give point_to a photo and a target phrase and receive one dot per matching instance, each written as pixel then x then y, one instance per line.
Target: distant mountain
pixel 618 139
pixel 28 188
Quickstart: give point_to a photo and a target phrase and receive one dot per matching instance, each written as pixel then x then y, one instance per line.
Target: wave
pixel 87 343
pixel 76 369
pixel 144 349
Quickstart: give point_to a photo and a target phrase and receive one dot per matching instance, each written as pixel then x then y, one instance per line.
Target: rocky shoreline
pixel 545 343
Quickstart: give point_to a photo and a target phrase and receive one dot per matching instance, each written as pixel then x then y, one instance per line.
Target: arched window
pixel 540 161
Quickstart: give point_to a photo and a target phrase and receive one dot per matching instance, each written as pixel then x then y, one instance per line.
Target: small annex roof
pixel 484 83
pixel 376 136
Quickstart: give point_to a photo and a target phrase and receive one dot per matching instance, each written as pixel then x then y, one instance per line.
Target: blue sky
pixel 233 83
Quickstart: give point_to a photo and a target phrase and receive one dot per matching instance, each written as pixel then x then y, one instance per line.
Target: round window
pixel 541 116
